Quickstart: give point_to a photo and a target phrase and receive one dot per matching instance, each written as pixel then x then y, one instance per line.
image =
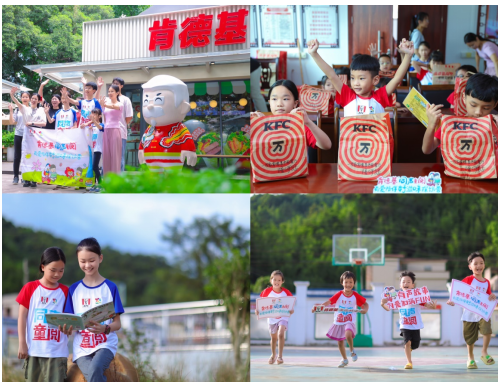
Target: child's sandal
pixel 471 365
pixel 488 360
pixel 272 359
pixel 354 356
pixel 280 360
pixel 343 363
pixel 408 366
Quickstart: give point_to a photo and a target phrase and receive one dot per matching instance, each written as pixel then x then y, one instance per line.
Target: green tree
pixel 38 34
pixel 129 10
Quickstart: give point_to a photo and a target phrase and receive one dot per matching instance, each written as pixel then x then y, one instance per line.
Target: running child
pixel 410 327
pixel 344 327
pixel 481 97
pixel 97 127
pixel 42 346
pixel 473 323
pixel 279 325
pixel 361 98
pixel 95 347
pixel 284 99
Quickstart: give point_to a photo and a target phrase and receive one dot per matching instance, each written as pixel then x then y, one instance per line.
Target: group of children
pixel 366 92
pixel 45 347
pixel 34 112
pixel 344 328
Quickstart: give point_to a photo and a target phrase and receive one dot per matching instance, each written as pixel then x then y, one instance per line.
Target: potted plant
pixel 8 144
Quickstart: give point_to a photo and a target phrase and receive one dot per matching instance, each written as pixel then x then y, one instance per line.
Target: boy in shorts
pixel 473 323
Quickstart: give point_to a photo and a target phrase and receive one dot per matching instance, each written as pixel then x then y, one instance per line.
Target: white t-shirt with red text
pixel 43 340
pixel 483 286
pixel 355 105
pixel 82 298
pixel 340 300
pixel 269 292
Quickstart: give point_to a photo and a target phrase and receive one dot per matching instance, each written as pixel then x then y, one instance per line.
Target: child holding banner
pixel 343 327
pixel 284 99
pixel 64 118
pixel 410 320
pixel 95 347
pixel 277 326
pixel 361 99
pixel 97 127
pixel 43 347
pixel 481 97
pixel 473 323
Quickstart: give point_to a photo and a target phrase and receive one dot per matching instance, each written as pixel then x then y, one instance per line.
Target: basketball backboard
pixel 347 249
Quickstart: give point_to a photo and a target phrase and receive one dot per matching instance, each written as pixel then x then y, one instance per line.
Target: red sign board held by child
pixel 278 147
pixel 366 147
pixel 469 147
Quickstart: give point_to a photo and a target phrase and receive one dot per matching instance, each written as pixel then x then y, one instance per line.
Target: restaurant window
pixel 219 121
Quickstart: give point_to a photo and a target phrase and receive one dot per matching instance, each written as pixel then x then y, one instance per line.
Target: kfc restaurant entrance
pixel 207 48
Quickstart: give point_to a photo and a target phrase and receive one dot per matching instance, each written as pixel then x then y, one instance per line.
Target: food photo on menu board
pixel 438 142
pixel 172 115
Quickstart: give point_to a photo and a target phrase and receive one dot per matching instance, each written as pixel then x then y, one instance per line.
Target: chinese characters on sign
pixel 403 298
pixel 269 307
pixel 403 184
pixel 472 299
pixel 278 26
pixel 321 22
pixel 196 31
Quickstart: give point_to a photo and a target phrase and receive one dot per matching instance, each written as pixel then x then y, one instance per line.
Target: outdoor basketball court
pixel 379 364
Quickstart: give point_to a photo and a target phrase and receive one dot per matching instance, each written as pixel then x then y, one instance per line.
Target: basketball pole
pixel 358 273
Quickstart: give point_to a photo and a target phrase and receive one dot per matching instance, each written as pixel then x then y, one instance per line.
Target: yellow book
pixel 416 104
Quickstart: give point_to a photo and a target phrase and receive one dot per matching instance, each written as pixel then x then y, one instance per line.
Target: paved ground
pixel 319 364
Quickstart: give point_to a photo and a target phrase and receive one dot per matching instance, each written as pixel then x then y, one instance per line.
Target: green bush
pixel 7 138
pixel 177 181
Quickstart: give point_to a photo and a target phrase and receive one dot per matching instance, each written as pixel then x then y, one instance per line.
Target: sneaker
pixel 354 356
pixel 27 184
pixel 343 363
pixel 33 184
pixel 16 180
pixel 97 189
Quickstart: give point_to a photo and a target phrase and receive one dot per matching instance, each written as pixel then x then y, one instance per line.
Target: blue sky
pixel 128 223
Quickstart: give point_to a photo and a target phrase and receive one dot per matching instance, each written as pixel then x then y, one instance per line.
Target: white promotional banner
pixel 472 299
pixel 402 298
pixel 60 157
pixel 270 307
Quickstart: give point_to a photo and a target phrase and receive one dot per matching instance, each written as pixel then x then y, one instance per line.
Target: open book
pixel 417 104
pixel 98 314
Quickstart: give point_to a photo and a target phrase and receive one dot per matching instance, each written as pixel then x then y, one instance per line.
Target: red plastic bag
pixel 468 147
pixel 366 147
pixel 278 147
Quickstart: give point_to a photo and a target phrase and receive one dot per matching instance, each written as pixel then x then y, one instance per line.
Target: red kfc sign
pixel 196 31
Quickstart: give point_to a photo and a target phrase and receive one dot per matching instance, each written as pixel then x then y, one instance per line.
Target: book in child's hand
pixel 98 314
pixel 417 105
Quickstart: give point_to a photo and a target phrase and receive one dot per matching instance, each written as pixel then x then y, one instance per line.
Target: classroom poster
pixel 472 299
pixel 60 157
pixel 321 22
pixel 269 307
pixel 278 26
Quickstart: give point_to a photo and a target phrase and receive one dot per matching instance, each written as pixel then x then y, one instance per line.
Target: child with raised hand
pixel 284 99
pixel 424 72
pixel 64 118
pixel 85 105
pixel 95 347
pixel 97 127
pixel 472 322
pixel 279 325
pixel 43 347
pixel 410 320
pixel 344 327
pixel 481 97
pixel 360 98
pixel 465 72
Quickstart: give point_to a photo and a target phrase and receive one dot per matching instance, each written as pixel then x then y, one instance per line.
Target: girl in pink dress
pixel 344 328
pixel 112 141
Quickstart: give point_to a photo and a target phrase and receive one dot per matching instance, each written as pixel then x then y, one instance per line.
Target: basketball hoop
pixel 358 262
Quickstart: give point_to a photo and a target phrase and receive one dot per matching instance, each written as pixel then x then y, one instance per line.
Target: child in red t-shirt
pixel 284 99
pixel 344 327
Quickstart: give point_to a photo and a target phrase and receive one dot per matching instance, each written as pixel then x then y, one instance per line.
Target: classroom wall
pixel 312 74
pixel 461 19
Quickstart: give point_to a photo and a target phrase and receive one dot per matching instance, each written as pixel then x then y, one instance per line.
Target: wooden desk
pixel 323 179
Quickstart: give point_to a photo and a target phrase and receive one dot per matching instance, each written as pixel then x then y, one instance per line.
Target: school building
pixel 207 48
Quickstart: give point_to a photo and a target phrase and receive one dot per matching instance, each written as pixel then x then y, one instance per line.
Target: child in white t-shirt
pixel 344 326
pixel 278 325
pixel 43 347
pixel 95 347
pixel 410 319
pixel 97 127
pixel 472 322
